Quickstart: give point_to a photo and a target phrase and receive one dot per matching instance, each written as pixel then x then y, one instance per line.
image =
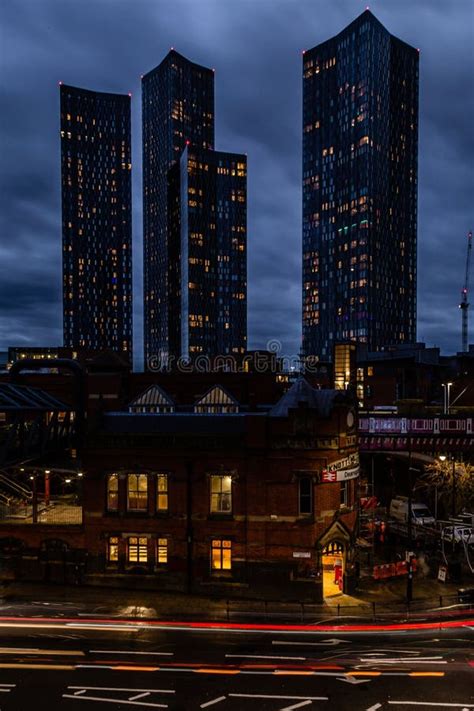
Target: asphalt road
pixel 93 664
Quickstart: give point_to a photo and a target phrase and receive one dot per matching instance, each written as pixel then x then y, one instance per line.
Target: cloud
pixel 255 47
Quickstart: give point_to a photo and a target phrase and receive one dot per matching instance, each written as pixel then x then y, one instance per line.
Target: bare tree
pixel 440 475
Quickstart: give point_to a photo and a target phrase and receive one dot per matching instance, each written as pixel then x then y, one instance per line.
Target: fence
pixel 59 509
pixel 311 613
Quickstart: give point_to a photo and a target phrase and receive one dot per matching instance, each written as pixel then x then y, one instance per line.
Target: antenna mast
pixel 464 305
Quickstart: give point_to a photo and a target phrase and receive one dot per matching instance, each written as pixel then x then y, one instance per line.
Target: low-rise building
pixel 212 493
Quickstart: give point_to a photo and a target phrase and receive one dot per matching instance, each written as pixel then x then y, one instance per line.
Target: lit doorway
pixel 332 561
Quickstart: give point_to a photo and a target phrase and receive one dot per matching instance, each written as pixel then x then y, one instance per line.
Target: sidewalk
pixel 388 596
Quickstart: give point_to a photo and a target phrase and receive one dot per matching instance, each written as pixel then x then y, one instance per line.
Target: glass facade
pixel 177 107
pixel 360 152
pixel 96 219
pixel 210 315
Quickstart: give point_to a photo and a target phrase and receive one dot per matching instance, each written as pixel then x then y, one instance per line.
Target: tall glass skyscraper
pixel 360 155
pixel 177 106
pixel 194 205
pixel 210 317
pixel 96 219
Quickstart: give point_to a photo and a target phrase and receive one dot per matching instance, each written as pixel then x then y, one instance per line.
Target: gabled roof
pixel 152 396
pixel 22 397
pixel 217 395
pixel 302 392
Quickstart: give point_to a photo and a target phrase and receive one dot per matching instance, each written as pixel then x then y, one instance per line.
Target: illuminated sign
pixel 341 470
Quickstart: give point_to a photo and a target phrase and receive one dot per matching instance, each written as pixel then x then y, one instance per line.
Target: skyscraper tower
pixel 209 317
pixel 96 220
pixel 360 155
pixel 177 107
pixel 195 220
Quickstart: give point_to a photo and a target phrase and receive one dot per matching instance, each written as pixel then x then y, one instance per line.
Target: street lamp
pixel 446 396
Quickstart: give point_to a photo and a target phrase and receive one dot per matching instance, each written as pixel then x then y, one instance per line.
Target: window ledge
pixel 221 517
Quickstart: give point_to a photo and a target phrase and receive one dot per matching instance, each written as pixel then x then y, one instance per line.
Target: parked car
pixel 420 513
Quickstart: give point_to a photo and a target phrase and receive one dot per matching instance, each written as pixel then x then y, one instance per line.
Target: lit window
pixel 221 554
pixel 221 494
pixel 112 492
pixel 162 492
pixel 137 492
pixel 305 495
pixel 112 549
pixel 137 549
pixel 162 551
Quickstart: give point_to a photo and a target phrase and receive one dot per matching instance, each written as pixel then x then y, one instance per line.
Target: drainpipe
pixel 189 526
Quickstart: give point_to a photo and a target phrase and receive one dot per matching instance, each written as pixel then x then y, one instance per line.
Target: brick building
pixel 210 486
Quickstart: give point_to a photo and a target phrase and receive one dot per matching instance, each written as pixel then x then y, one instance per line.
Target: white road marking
pixel 327 642
pixel 120 688
pixel 115 701
pixel 281 698
pixel 402 661
pixel 297 706
pixel 374 707
pixel 125 651
pixel 262 656
pixel 82 695
pixel 113 627
pixel 403 651
pixel 214 701
pixel 432 703
pixel 6 688
pixel 45 652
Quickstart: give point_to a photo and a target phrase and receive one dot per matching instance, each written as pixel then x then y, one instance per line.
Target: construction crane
pixel 464 305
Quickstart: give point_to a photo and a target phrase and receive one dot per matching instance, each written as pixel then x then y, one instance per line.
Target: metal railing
pixel 58 510
pixel 312 613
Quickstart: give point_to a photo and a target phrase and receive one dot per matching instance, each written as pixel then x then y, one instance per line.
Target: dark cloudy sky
pixel 255 47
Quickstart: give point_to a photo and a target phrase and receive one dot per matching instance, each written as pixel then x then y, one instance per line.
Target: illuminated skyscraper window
pixel 177 109
pixel 360 149
pixel 195 220
pixel 210 290
pixel 96 219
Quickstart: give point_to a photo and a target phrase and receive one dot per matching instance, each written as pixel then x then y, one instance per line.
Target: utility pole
pixel 454 486
pixel 189 526
pixel 464 305
pixel 409 552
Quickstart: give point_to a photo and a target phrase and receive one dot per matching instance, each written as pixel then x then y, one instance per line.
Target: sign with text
pixel 341 470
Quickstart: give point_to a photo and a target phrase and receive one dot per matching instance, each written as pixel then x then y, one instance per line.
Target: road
pixel 94 663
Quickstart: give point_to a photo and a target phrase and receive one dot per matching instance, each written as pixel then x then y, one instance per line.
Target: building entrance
pixel 332 561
